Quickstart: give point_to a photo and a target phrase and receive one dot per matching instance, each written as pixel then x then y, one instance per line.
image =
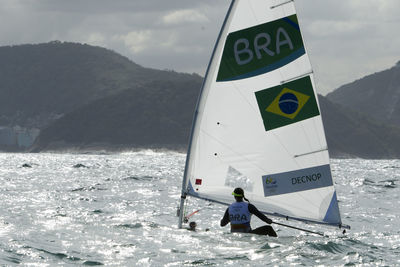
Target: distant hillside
pixel 43 82
pixel 67 95
pixel 40 83
pixel 161 117
pixel 351 134
pixel 376 95
pixel 157 114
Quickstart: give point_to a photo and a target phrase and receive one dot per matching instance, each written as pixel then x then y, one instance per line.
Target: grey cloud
pixel 345 39
pixel 111 6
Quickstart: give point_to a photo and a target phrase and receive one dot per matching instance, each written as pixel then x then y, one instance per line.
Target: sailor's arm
pixel 256 212
pixel 225 220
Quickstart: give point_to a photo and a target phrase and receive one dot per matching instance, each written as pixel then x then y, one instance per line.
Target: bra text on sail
pixel 260 49
pixel 262 42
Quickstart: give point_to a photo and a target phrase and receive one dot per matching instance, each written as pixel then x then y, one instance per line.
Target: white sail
pixel 257 124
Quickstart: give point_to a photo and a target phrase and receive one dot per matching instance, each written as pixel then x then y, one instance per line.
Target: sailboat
pixel 257 124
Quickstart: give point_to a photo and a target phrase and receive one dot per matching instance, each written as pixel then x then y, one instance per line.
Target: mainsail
pixel 257 124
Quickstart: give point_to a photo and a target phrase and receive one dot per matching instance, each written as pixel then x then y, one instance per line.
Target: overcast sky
pixel 346 39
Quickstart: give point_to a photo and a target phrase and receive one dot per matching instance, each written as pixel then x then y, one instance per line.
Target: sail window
pixel 234 178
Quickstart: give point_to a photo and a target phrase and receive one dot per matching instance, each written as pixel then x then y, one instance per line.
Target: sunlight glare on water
pixel 120 210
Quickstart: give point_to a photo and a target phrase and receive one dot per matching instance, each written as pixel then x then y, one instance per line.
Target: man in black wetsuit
pixel 239 215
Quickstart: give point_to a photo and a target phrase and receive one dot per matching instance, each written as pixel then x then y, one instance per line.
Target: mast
pixel 185 177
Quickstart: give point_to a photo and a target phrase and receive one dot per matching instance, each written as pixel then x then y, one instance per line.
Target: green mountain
pixel 42 82
pixel 157 114
pixel 376 95
pixel 352 134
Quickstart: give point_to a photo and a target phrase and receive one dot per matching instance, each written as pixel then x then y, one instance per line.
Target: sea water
pixel 120 210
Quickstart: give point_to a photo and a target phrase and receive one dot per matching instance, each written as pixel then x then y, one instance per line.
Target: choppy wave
pixel 119 210
pixel 389 183
pixel 139 178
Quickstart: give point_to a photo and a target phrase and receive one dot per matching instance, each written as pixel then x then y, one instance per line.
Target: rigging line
pixel 282 10
pixel 272 214
pixel 339 225
pixel 281 4
pixel 301 229
pixel 297 77
pixel 191 214
pixel 312 152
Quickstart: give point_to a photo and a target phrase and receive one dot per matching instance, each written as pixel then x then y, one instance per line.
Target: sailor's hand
pixel 269 221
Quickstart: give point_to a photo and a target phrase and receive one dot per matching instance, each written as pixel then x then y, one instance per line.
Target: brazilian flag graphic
pixel 287 103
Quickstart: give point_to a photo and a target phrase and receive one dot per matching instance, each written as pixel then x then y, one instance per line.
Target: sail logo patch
pixel 287 103
pixel 270 181
pixel 298 180
pixel 260 49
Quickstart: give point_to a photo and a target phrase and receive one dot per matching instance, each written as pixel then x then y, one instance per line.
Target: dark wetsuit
pixel 245 228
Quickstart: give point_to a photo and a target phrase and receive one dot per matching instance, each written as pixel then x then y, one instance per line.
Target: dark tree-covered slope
pixel 41 82
pixel 376 95
pixel 157 114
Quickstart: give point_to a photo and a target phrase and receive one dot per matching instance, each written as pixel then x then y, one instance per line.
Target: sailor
pixel 192 226
pixel 239 215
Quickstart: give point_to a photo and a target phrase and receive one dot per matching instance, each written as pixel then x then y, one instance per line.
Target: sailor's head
pixel 192 225
pixel 238 193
